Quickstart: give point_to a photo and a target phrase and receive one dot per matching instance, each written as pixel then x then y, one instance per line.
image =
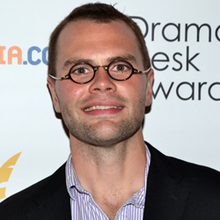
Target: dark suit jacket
pixel 175 190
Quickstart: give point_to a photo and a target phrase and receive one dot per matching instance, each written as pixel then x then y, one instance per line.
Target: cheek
pixel 135 91
pixel 141 93
pixel 69 93
pixel 137 87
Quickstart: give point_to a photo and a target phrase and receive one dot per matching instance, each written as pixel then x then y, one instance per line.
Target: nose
pixel 102 82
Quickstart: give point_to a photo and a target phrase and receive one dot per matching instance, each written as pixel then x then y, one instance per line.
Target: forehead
pixel 86 39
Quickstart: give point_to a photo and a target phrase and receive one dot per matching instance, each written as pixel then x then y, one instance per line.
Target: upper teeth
pixel 100 107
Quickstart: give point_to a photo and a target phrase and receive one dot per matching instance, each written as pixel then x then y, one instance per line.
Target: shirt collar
pixel 72 182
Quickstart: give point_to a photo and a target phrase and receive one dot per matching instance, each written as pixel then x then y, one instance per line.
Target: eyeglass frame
pixel 95 68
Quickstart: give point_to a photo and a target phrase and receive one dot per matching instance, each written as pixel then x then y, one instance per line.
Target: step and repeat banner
pixel 183 38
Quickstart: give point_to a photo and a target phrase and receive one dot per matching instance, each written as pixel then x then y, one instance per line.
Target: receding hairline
pixel 94 21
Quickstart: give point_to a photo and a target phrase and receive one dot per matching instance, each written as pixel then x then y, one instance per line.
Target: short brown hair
pixel 100 13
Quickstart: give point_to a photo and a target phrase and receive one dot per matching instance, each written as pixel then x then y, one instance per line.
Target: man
pixel 101 81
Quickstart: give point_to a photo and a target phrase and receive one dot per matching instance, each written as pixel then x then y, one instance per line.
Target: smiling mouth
pixel 101 107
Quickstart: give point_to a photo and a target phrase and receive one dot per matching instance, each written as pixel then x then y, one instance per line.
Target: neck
pixel 111 174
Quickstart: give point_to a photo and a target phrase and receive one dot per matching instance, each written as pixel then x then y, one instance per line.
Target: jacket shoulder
pixel 177 167
pixel 181 189
pixel 24 202
pixel 204 178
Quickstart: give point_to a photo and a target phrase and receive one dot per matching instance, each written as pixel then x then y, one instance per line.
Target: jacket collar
pixel 53 201
pixel 167 192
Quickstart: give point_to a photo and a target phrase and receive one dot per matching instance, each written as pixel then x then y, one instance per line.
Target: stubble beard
pixel 99 136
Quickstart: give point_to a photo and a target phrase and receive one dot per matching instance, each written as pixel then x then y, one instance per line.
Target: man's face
pixel 104 111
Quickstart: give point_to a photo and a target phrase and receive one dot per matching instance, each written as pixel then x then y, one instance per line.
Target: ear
pixel 149 89
pixel 51 86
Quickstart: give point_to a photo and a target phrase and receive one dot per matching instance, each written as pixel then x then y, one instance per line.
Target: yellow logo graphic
pixel 5 172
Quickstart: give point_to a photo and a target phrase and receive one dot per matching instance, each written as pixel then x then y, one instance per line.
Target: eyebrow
pixel 72 62
pixel 127 57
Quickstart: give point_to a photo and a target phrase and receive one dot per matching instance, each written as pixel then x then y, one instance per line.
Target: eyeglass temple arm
pixel 146 71
pixel 53 77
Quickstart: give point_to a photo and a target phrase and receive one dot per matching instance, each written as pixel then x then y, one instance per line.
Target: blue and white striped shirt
pixel 83 207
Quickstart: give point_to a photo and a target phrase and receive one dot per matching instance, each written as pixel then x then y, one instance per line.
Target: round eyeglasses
pixel 82 73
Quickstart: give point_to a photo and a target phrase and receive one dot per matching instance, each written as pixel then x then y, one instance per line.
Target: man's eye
pixel 81 70
pixel 120 68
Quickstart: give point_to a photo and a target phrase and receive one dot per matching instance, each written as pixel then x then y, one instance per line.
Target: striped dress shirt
pixel 83 207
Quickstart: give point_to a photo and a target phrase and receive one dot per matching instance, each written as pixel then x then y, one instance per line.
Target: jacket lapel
pixel 167 191
pixel 53 201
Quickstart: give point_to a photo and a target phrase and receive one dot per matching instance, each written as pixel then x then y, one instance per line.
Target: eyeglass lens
pixel 84 72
